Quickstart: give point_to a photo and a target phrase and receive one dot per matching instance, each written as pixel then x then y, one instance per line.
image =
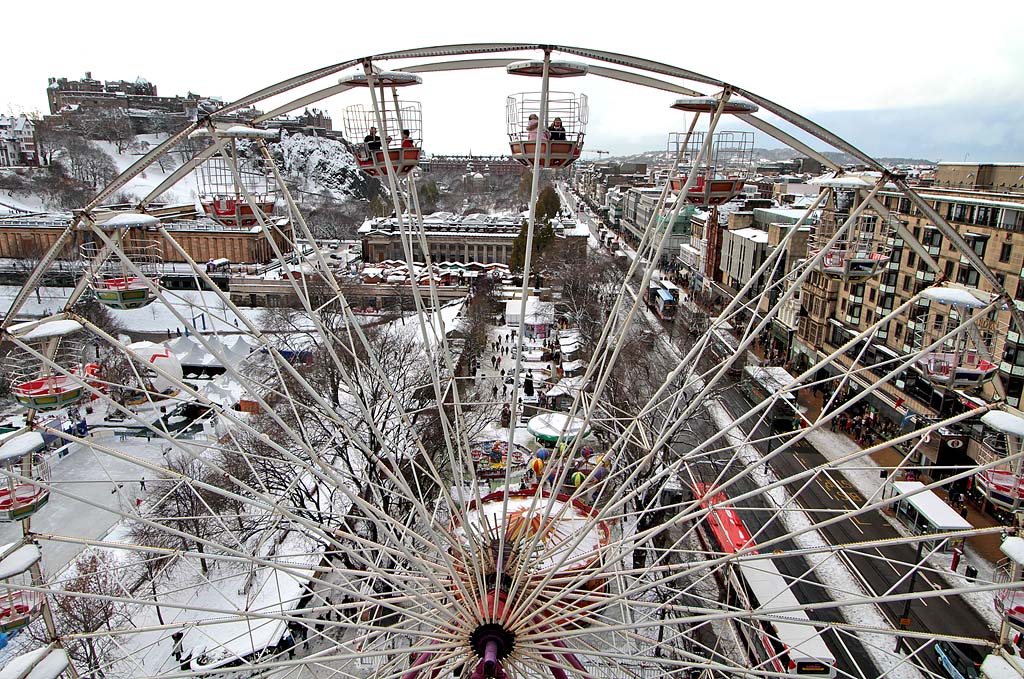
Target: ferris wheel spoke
pixel 356 479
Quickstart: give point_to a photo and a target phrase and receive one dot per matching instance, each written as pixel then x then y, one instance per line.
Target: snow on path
pixel 87 473
pixel 843 584
pixel 863 473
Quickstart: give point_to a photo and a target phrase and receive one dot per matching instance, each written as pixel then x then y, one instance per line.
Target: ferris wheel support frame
pixel 610 357
pixel 406 239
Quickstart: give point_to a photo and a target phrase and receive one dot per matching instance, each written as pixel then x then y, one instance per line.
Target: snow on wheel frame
pixel 387 594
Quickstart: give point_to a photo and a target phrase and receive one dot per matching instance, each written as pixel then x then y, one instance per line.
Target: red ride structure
pixel 785 642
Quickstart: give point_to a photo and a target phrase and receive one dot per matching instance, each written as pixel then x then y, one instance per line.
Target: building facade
pixel 18 145
pixel 992 224
pixel 452 238
pixel 31 236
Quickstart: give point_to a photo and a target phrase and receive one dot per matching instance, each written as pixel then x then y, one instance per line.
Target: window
pixel 911 259
pixel 906 284
pixel 949 269
pixel 978 244
pixel 871 295
pixel 967 276
pixel 1005 250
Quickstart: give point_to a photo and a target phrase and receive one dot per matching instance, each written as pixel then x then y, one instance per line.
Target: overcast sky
pixel 945 78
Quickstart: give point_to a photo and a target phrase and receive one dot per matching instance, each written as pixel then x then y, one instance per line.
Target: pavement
pixel 983 547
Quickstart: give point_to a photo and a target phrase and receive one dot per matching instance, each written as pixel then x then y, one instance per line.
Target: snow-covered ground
pixel 205 309
pixel 186 191
pixel 843 584
pixel 863 473
pixel 99 485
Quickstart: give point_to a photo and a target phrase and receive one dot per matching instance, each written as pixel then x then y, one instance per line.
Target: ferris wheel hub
pixel 492 642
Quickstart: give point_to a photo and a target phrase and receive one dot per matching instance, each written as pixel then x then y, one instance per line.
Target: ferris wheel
pixel 346 498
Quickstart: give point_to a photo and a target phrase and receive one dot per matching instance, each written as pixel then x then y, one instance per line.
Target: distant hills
pixel 770 154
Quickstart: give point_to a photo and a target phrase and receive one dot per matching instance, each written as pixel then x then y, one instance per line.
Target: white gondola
pixel 560 137
pixel 114 281
pixel 965 360
pixel 401 140
pixel 19 498
pixel 39 386
pixel 862 251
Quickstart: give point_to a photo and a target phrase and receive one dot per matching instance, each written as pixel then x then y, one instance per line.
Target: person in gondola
pixel 407 142
pixel 532 125
pixel 556 130
pixel 372 140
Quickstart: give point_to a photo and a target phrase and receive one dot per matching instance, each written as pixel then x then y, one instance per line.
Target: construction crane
pixel 600 153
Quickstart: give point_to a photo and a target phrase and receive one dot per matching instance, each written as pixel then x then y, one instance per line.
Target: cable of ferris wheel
pixel 648 271
pixel 789 535
pixel 697 399
pixel 454 450
pixel 396 579
pixel 571 449
pixel 290 368
pixel 156 468
pixel 704 446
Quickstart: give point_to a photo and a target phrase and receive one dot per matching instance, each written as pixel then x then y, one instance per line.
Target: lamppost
pixel 905 618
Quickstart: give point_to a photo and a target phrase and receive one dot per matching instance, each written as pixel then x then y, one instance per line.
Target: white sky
pixel 810 56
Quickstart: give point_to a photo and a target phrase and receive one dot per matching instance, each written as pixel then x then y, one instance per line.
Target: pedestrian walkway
pixel 838 444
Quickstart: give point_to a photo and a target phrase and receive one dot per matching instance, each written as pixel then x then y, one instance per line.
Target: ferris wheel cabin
pixel 19 454
pixel 862 250
pixel 115 284
pixel 40 387
pixel 398 143
pixel 722 172
pixel 559 139
pixel 235 191
pixel 963 361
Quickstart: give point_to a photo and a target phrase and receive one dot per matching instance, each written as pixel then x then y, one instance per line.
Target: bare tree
pixel 184 502
pixel 97 574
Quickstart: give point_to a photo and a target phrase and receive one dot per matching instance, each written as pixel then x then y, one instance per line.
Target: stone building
pixel 452 238
pixel 18 145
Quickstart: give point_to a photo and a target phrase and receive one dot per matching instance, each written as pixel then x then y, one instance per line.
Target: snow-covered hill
pixel 318 169
pixel 318 164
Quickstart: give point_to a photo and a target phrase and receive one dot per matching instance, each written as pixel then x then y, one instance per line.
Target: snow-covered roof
pixel 1005 422
pixel 552 425
pixel 850 180
pixel 1013 547
pixel 246 132
pixel 131 220
pixel 961 296
pixel 36 330
pixel 931 506
pixel 567 386
pixel 43 663
pixel 1000 667
pixel 19 445
pixel 538 312
pixel 751 234
pixel 18 561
